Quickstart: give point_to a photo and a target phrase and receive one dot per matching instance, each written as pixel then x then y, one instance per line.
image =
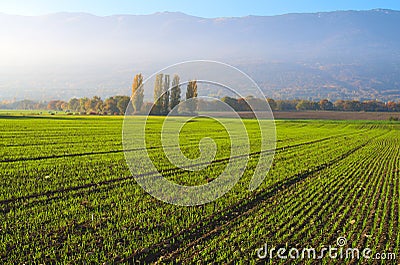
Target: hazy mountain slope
pixel 348 54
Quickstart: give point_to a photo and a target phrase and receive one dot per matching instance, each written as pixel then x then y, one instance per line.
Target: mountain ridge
pixel 356 53
pixel 381 10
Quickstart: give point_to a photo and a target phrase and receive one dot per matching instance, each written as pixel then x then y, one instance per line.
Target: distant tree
pixel 325 104
pixel 191 93
pixel 286 105
pixel 40 106
pixel 232 102
pixel 165 96
pixel 122 103
pixel 110 106
pixel 99 107
pixel 88 105
pixel 175 97
pixel 243 105
pixel 306 105
pixel 73 104
pixel 374 105
pixel 52 105
pixel 55 105
pixel 158 90
pixel 352 105
pixel 59 105
pixel 339 105
pixel 302 105
pixel 83 104
pixel 94 105
pixel 272 104
pixel 137 93
pixel 64 106
pixel 392 106
pixel 26 104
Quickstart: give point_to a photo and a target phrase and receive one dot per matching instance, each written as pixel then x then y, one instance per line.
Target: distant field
pixel 67 196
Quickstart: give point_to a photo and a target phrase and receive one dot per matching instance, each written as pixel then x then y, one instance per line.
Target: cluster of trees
pixel 25 104
pixel 324 104
pixel 165 99
pixel 113 105
pixel 166 96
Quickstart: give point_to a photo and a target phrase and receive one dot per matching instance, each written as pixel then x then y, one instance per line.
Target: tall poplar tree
pixel 191 93
pixel 158 100
pixel 165 96
pixel 175 93
pixel 137 93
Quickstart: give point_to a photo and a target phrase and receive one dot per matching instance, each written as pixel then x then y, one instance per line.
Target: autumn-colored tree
pixel 61 105
pixel 175 97
pixel 110 106
pixel 94 105
pixel 165 96
pixel 325 104
pixel 73 104
pixel 191 93
pixel 374 105
pixel 392 106
pixel 158 90
pixel 52 105
pixel 57 105
pixel 339 104
pixel 83 104
pixel 64 106
pixel 137 93
pixel 352 105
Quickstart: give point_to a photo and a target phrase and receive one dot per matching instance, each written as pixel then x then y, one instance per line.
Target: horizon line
pixel 190 15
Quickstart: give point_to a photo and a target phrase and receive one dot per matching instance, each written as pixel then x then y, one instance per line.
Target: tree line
pixel 304 105
pixel 113 105
pixel 167 96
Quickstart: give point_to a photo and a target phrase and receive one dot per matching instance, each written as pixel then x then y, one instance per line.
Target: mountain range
pixel 334 55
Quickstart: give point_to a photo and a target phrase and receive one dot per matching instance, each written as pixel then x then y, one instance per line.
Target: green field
pixel 67 195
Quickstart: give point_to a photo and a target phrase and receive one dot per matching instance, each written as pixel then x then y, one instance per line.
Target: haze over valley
pixel 334 55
